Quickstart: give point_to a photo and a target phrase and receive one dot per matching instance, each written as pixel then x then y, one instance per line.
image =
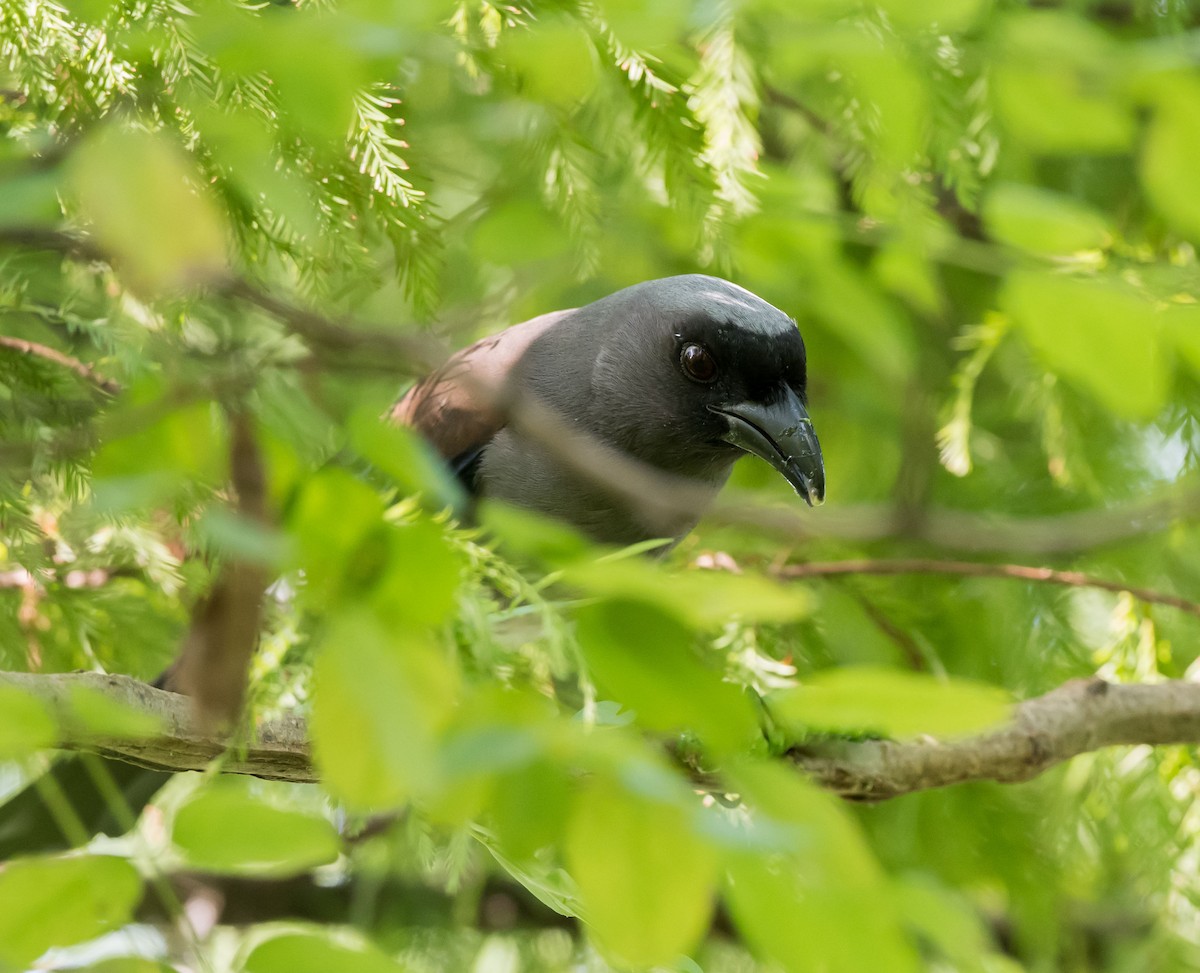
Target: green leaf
pixel 945 919
pixel 318 952
pixel 825 906
pixel 891 702
pixel 1041 221
pixel 645 877
pixel 1168 161
pixel 529 808
pixel 406 457
pixel 103 715
pixel 554 63
pixel 129 964
pixel 380 698
pixel 419 585
pixel 225 828
pixel 947 15
pixel 47 902
pixel 1050 84
pixel 645 659
pixel 1097 334
pixel 26 724
pixel 697 598
pixel 146 207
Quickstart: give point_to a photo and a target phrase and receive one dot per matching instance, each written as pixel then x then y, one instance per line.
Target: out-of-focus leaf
pixel 947 15
pixel 644 658
pixel 1097 334
pixel 1050 85
pixel 225 828
pixel 404 456
pixel 419 584
pixel 646 25
pixel 540 236
pixel 26 725
pixel 30 200
pixel 554 63
pixel 380 698
pixel 529 808
pixel 646 878
pixel 1042 221
pixel 145 466
pixel 47 902
pixel 129 964
pixel 698 598
pixel 101 714
pixel 318 952
pixel 824 907
pixel 890 701
pixel 143 199
pixel 1169 157
pixel 946 920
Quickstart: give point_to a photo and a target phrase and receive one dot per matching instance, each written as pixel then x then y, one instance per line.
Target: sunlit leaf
pixel 145 203
pixel 318 952
pixel 890 701
pixel 646 878
pixel 1042 221
pixel 47 902
pixel 26 724
pixel 1098 334
pixel 225 828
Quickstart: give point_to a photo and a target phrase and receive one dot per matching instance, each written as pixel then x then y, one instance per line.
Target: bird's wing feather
pixel 450 407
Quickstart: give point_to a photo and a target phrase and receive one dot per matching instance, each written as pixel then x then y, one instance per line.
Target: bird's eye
pixel 697 363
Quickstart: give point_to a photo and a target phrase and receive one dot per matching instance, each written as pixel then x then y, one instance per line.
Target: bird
pixel 685 374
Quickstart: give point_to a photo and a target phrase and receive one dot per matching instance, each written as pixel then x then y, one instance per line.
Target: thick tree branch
pixel 1078 717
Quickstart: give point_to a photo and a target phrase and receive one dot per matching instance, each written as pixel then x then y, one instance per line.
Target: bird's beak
pixel 783 435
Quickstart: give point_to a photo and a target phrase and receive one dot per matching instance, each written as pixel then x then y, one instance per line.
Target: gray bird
pixel 684 374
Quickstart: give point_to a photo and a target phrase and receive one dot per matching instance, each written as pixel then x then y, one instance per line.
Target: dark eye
pixel 698 363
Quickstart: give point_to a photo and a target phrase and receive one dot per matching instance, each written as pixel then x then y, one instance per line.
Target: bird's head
pixel 692 368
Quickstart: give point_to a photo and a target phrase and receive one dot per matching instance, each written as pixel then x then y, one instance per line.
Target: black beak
pixel 783 435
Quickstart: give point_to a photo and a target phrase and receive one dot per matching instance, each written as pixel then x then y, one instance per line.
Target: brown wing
pixel 451 407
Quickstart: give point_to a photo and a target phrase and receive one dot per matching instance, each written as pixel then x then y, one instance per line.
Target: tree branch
pixel 975 569
pixel 1078 717
pixel 36 350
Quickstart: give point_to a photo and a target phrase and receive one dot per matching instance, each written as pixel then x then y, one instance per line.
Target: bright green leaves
pixel 318 951
pixel 225 827
pixel 1169 172
pixel 146 207
pixel 47 902
pixel 382 696
pixel 822 902
pixel 1053 85
pixel 645 659
pixel 1043 222
pixel 646 878
pixel 1098 334
pixel 554 64
pixel 890 701
pixel 26 726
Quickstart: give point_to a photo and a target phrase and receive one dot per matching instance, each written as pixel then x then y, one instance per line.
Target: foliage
pixel 983 215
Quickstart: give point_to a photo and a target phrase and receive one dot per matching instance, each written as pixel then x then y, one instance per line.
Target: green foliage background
pixel 984 217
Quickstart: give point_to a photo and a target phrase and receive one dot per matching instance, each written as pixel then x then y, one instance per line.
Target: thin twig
pixel 36 350
pixel 975 569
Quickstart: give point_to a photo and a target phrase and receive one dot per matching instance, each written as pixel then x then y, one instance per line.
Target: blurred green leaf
pixel 144 201
pixel 1168 168
pixel 554 63
pixel 380 698
pixel 226 828
pixel 645 659
pixel 47 902
pixel 826 906
pixel 1043 222
pixel 318 951
pixel 26 724
pixel 1098 334
pixel 945 920
pixel 697 598
pixel 646 878
pixel 890 701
